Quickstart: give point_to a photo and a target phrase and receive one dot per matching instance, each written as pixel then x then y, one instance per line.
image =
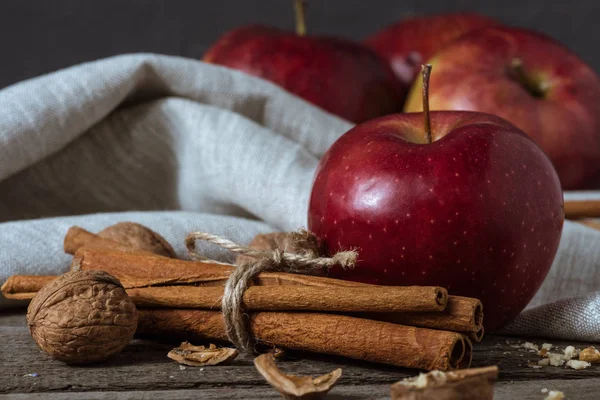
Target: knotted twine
pixel 304 259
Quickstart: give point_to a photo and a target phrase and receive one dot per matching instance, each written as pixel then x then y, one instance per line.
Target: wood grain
pixel 143 367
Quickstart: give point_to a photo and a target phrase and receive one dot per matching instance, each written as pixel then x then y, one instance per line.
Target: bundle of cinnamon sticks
pixel 408 326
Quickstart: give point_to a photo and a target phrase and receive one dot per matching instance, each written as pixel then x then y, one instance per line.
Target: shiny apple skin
pixel 345 78
pixel 471 74
pixel 479 211
pixel 411 42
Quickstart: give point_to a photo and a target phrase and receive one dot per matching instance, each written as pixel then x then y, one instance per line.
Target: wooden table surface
pixel 143 371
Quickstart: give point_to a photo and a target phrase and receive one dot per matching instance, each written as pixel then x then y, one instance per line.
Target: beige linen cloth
pixel 179 145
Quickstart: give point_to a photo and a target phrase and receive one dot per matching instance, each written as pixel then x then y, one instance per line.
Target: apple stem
pixel 426 71
pixel 300 6
pixel 517 72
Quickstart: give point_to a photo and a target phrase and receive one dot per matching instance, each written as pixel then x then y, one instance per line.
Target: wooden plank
pixel 144 368
pixel 581 389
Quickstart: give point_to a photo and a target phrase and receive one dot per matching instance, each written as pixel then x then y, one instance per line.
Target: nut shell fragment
pixel 295 387
pixel 82 317
pixel 199 356
pixel 139 237
pixel 590 354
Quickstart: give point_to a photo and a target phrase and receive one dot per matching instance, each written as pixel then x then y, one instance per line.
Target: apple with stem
pixel 458 199
pixel 533 82
pixel 409 43
pixel 345 78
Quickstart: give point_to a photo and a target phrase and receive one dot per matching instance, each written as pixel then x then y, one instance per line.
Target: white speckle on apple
pixel 431 190
pixel 403 248
pixel 508 275
pixel 323 219
pixel 449 221
pixel 391 260
pixel 352 222
pixel 396 222
pixel 347 167
pixel 370 237
pixel 335 221
pixel 385 229
pixel 407 215
pixel 429 159
pixel 464 233
pixel 456 174
pixel 432 221
pixel 430 257
pixel 423 272
pixel 455 243
pixel 385 270
pixel 491 249
pixel 456 214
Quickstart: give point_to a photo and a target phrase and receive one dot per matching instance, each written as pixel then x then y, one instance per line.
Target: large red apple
pixel 409 43
pixel 477 209
pixel 532 81
pixel 345 78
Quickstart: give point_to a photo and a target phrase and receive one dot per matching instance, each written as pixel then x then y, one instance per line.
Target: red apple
pixel 532 81
pixel 342 77
pixel 477 209
pixel 409 43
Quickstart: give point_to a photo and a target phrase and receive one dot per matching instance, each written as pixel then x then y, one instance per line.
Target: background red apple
pixel 345 78
pixel 409 43
pixel 478 210
pixel 532 81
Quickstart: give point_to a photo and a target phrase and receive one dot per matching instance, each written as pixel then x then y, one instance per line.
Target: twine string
pixel 304 259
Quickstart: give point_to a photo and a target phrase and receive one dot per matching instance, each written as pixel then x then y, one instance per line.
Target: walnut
pixel 198 356
pixel 295 387
pixel 138 236
pixel 82 317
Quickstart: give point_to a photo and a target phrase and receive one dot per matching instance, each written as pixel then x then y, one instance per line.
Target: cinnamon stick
pixel 376 341
pixel 306 298
pixel 135 270
pixel 577 209
pixel 383 299
pixel 24 287
pixel 461 314
pixel 77 238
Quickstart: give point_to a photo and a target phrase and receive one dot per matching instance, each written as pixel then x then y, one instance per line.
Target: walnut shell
pixel 138 236
pixel 82 317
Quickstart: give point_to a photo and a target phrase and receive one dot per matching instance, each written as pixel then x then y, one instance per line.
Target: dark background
pixel 39 36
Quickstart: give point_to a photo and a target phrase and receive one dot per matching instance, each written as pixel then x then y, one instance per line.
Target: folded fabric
pixel 180 145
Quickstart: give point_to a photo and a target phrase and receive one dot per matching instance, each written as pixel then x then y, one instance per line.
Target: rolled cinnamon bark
pixel 77 238
pixel 306 298
pixel 381 342
pixel 582 209
pixel 24 287
pixel 384 299
pixel 135 270
pixel 462 314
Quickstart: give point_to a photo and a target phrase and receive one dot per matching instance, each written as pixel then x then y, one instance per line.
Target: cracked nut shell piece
pixel 82 317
